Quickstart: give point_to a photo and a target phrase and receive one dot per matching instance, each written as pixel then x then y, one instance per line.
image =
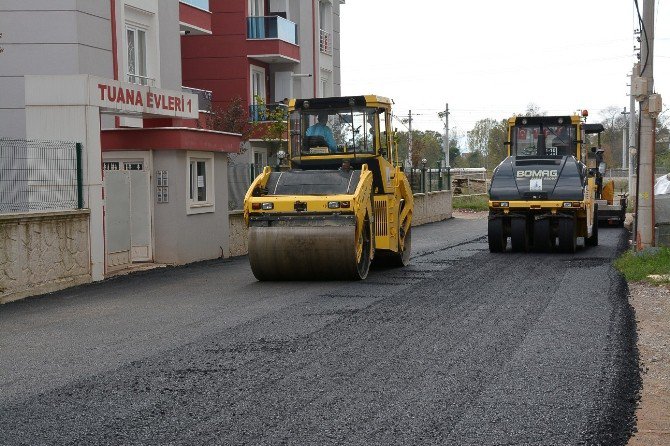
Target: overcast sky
pixel 491 58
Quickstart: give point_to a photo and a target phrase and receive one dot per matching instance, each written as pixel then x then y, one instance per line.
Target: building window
pixel 325 31
pixel 259 163
pixel 258 97
pixel 324 87
pixel 200 182
pixel 137 55
pixel 325 84
pixel 256 8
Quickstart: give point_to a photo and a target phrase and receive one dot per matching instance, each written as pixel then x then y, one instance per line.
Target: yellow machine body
pixel 343 200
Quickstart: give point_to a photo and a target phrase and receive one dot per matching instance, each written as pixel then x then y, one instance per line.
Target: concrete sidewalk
pixel 652 312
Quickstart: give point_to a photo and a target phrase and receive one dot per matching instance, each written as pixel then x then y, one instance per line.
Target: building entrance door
pixel 127 213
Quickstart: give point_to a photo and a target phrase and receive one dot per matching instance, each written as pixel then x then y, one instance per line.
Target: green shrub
pixel 638 266
pixel 474 203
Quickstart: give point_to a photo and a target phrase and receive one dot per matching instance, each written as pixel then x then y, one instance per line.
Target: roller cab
pixel 341 203
pixel 542 196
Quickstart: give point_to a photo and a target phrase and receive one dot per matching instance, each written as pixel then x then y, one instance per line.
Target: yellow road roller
pixel 342 201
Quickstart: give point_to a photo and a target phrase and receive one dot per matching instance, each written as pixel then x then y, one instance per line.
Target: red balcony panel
pixel 169 139
pixel 195 17
pixel 171 122
pixel 284 52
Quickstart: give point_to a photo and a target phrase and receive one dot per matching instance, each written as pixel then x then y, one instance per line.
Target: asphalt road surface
pixel 463 347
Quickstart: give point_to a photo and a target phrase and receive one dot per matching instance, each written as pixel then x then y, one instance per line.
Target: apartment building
pixel 107 74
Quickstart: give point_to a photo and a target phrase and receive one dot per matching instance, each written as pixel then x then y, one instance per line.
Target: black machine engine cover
pixel 538 178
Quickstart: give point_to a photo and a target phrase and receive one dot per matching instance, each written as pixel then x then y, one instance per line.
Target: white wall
pixel 180 237
pixel 72 30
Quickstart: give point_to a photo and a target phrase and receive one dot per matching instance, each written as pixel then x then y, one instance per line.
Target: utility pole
pixel 409 142
pixel 645 193
pixel 632 140
pixel 446 136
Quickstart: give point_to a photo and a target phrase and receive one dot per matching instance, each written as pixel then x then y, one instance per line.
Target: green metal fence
pixel 429 179
pixel 40 175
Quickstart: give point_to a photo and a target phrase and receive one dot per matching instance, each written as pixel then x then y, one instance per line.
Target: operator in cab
pixel 320 128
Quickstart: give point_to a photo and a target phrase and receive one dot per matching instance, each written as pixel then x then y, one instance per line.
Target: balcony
pixel 195 17
pixel 265 113
pixel 272 27
pixel 204 98
pixel 272 39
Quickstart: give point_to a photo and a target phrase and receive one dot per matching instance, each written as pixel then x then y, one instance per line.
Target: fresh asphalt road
pixel 462 347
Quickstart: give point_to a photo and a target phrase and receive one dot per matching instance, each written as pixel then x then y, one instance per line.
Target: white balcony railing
pixel 140 80
pixel 204 98
pixel 272 27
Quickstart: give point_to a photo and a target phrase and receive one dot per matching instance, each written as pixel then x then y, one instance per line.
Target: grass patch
pixel 637 267
pixel 476 203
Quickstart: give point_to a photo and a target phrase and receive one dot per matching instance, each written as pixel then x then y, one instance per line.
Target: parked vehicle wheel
pixel 519 234
pixel 497 239
pixel 567 235
pixel 543 239
pixel 593 240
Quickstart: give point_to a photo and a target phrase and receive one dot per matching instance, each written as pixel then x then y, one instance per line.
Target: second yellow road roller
pixel 342 201
pixel 543 191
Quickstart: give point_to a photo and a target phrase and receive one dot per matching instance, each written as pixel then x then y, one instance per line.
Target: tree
pixel 487 138
pixel 663 142
pixel 232 118
pixel 533 109
pixel 454 149
pixel 425 144
pixel 611 139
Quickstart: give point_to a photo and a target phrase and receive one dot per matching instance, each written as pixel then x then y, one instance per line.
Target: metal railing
pixel 623 173
pixel 240 175
pixel 204 98
pixel 40 176
pixel 272 27
pixel 325 42
pixel 141 80
pixel 269 112
pixel 427 179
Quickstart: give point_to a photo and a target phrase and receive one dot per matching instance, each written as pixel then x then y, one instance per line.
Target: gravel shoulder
pixel 652 311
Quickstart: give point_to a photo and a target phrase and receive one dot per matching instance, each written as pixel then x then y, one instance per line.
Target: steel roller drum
pixel 308 252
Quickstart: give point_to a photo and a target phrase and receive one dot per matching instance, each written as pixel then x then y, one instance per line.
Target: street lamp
pixel 424 161
pixel 281 155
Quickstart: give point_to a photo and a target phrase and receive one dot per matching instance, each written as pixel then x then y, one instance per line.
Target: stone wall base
pixel 43 252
